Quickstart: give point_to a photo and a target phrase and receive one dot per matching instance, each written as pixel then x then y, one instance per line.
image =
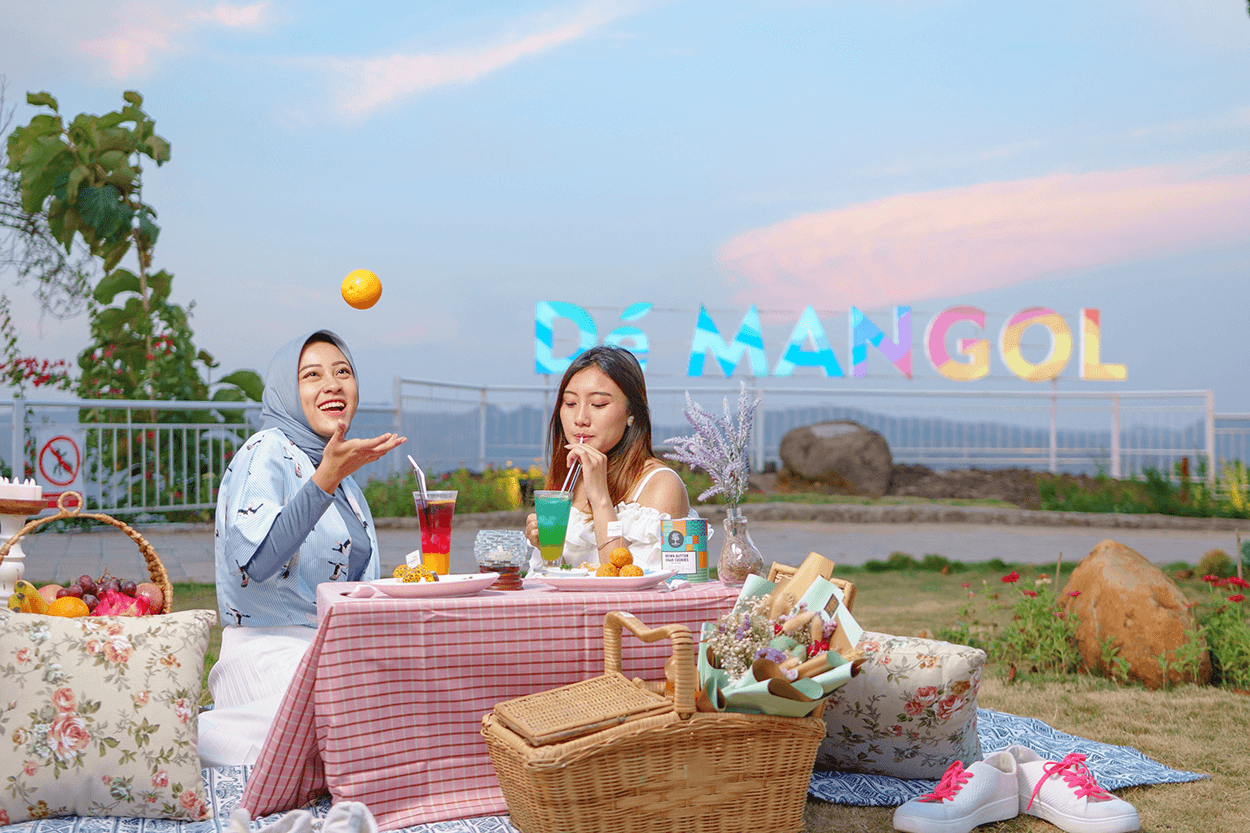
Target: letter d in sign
pixel 545 315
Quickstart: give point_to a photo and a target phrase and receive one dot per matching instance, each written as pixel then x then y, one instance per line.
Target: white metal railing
pixel 1232 438
pixel 1119 433
pixel 152 456
pixel 139 464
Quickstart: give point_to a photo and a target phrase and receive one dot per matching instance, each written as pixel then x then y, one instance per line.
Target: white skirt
pixel 248 683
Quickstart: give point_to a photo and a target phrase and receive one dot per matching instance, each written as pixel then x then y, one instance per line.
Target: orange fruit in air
pixel 70 606
pixel 361 288
pixel 620 557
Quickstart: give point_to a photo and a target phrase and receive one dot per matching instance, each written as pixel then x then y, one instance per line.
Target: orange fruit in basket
pixel 361 288
pixel 68 606
pixel 620 557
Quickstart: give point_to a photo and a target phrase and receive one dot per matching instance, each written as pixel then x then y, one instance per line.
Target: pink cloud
pixel 129 50
pixel 371 83
pixel 151 30
pixel 914 246
pixel 235 17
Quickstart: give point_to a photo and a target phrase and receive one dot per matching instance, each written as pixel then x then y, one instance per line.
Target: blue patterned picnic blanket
pixel 1115 767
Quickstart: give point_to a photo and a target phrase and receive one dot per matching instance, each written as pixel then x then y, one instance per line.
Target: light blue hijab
pixel 280 405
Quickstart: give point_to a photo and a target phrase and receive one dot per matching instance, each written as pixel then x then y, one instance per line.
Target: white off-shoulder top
pixel 640 527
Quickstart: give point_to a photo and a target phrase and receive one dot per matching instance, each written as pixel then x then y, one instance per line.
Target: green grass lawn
pixel 191 596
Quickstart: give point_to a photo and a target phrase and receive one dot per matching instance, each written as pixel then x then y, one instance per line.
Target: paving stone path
pixel 784 532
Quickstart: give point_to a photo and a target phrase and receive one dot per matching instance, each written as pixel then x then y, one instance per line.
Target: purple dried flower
pixel 718 446
pixel 768 652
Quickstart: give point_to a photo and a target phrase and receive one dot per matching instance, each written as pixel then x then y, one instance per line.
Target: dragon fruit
pixel 115 603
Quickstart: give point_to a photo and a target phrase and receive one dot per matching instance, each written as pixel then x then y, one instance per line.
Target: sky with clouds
pixel 483 157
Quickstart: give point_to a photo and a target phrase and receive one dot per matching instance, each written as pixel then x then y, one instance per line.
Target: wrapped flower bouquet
pixel 783 648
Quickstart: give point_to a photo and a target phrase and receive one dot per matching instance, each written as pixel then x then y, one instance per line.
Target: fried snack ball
pixel 419 573
pixel 620 557
pixel 631 570
pixel 607 570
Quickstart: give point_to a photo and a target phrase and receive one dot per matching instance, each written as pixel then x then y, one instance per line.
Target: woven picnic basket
pixel 69 505
pixel 648 767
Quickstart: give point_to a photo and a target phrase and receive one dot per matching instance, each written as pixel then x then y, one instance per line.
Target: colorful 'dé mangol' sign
pixel 971 359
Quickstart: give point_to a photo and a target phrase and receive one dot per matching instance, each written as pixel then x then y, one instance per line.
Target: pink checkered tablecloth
pixel 386 706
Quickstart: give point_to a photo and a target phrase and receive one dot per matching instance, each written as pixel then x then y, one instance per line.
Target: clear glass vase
pixel 739 557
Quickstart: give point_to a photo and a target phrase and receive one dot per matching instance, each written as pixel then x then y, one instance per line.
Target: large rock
pixel 844 456
pixel 1125 598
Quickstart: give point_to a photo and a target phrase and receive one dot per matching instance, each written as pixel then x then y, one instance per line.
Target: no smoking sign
pixel 59 463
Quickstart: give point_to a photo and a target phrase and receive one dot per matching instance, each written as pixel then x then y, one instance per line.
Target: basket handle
pixel 683 654
pixel 156 570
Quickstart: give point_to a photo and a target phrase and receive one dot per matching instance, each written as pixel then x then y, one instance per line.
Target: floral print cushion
pixel 910 711
pixel 99 716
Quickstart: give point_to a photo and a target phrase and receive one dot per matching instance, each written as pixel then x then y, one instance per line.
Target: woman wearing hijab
pixel 289 516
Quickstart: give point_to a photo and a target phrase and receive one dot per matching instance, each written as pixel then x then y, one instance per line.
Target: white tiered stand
pixel 13 515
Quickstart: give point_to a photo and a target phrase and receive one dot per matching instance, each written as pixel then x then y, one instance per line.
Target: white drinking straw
pixel 425 497
pixel 570 479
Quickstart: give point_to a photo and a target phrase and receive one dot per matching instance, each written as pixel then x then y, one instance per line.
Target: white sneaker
pixel 1065 794
pixel 984 792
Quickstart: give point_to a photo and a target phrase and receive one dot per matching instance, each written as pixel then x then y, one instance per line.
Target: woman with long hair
pixel 602 421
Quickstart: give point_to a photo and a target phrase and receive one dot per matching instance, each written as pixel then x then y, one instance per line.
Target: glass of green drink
pixel 552 509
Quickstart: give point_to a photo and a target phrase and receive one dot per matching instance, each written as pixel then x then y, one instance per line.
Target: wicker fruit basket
pixel 668 771
pixel 69 505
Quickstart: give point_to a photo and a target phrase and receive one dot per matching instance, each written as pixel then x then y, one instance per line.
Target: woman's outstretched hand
pixel 344 457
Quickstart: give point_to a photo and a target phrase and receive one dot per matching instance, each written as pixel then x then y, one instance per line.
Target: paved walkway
pixel 187 550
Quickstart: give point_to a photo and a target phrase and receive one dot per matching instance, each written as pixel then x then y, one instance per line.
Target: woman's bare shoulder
pixel 663 489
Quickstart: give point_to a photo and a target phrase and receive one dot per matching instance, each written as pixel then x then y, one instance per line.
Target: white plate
pixel 456 584
pixel 601 583
pixel 572 572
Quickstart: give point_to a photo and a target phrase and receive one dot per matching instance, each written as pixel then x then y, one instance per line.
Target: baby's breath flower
pixel 742 636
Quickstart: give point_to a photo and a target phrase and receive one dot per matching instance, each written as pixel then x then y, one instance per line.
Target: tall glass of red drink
pixel 435 519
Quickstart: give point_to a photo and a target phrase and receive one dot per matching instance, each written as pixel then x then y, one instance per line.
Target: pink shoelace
pixel 1075 774
pixel 952 780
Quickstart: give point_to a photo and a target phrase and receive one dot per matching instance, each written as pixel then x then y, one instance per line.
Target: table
pixel 387 703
